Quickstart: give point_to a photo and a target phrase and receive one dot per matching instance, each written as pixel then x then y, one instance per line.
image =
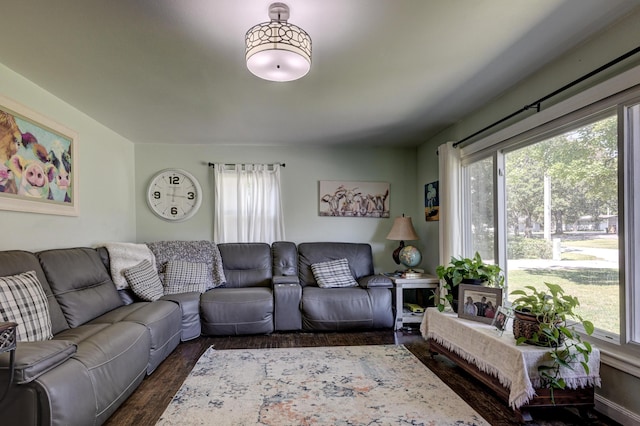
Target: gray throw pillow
pixel 184 277
pixel 144 281
pixel 335 273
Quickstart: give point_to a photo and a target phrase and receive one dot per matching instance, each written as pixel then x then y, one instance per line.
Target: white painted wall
pixel 106 186
pixel 305 166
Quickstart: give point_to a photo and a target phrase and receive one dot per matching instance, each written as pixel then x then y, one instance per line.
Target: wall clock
pixel 174 195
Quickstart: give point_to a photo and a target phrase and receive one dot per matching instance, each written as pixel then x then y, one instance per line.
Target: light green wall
pixel 427 173
pixel 114 175
pixel 305 166
pixel 618 386
pixel 106 173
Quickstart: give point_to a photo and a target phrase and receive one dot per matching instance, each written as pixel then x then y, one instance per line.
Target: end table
pixel 425 281
pixel 8 344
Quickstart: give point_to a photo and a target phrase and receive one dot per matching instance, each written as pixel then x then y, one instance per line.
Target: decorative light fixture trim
pixel 278 50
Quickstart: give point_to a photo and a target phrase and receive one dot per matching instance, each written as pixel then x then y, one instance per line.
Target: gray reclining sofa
pixel 100 351
pixel 273 288
pixel 105 341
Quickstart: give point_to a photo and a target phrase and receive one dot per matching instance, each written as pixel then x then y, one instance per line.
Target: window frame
pixel 615 95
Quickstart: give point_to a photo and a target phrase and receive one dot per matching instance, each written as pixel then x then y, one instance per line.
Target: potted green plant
pixel 466 270
pixel 548 318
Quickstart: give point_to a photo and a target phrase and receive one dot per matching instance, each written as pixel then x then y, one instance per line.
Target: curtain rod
pixel 233 164
pixel 536 104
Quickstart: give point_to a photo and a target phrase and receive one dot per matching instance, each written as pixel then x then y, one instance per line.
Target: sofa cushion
pixel 80 282
pixel 144 281
pixel 190 251
pixel 184 277
pixel 162 319
pixel 14 262
pixel 359 256
pixel 22 300
pixel 334 273
pixel 115 359
pixel 235 311
pixel 247 264
pixel 336 309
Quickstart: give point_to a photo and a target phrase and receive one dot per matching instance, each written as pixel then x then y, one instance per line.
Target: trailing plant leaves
pixel 520 340
pixel 588 327
pixel 552 309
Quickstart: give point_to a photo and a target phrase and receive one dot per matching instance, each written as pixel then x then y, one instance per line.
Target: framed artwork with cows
pixel 38 162
pixel 354 199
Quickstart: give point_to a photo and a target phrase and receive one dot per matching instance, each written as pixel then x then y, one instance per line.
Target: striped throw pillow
pixel 144 281
pixel 22 300
pixel 335 273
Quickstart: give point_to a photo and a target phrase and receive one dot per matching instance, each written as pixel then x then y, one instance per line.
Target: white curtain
pixel 450 177
pixel 248 203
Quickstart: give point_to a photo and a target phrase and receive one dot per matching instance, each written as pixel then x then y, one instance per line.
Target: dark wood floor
pixel 151 398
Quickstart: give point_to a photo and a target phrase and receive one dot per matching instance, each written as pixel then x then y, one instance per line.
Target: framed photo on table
pixel 501 319
pixel 478 303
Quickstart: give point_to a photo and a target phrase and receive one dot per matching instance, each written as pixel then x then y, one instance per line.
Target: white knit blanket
pixel 126 255
pixel 516 367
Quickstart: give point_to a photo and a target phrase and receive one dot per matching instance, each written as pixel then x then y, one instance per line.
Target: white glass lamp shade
pixel 278 51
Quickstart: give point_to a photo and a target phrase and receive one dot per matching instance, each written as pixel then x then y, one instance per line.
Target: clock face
pixel 174 195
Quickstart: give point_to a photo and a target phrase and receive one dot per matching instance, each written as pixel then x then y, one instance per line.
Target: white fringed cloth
pixel 516 367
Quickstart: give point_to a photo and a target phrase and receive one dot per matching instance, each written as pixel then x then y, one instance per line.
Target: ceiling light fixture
pixel 278 50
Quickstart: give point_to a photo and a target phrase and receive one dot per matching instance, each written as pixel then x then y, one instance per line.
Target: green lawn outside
pixel 596 289
pixel 577 256
pixel 605 243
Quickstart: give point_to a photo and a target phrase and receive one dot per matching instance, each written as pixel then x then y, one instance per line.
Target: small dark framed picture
pixel 478 303
pixel 501 319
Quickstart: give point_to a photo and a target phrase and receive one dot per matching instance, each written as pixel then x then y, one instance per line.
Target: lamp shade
pixel 278 50
pixel 402 229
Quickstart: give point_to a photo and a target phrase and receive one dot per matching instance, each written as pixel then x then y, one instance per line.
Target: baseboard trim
pixel 616 412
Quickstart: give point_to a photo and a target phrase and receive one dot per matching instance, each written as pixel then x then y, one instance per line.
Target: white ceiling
pixel 384 72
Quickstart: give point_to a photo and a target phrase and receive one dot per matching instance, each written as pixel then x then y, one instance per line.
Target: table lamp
pixel 401 230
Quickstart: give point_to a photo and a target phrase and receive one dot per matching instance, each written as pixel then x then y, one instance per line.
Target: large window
pixel 562 218
pixel 559 201
pixel 480 211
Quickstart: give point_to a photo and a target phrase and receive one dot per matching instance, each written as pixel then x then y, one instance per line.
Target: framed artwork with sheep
pixel 353 199
pixel 38 162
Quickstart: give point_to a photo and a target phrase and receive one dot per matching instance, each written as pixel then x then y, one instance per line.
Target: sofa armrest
pixel 190 307
pixel 32 359
pixel 372 281
pixel 285 279
pixel 286 300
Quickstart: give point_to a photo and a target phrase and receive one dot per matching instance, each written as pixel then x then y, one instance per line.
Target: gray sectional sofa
pixel 105 341
pixel 100 351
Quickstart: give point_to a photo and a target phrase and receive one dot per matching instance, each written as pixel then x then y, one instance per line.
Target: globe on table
pixel 410 256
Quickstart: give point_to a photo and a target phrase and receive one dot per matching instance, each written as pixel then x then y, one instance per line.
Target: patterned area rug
pixel 345 385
